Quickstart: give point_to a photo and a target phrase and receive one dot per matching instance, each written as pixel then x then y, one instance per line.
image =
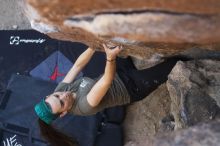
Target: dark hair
pixel 54 136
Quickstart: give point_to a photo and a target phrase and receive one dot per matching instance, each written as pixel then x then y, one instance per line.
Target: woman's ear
pixel 63 114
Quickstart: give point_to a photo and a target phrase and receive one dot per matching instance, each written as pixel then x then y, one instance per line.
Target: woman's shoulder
pixel 62 86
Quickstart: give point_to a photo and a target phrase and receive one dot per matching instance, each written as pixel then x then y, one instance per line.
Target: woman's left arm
pixel 98 91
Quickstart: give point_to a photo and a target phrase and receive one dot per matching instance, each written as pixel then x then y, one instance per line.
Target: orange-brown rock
pixel 149 30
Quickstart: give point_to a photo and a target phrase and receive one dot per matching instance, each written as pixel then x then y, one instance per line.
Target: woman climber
pixel 120 84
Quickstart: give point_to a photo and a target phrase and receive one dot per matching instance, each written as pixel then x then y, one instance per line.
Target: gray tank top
pixel 116 95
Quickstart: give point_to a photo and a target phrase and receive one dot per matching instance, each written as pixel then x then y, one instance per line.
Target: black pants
pixel 141 83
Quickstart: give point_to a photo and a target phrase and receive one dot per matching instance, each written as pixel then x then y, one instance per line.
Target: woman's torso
pixel 116 95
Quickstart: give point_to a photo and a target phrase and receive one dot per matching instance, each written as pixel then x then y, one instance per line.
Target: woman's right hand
pixel 111 53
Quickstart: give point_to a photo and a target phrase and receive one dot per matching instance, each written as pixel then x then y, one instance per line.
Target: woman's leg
pixel 148 80
pixel 125 69
pixel 141 83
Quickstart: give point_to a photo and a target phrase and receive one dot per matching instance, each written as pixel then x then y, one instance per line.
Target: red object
pixel 55 74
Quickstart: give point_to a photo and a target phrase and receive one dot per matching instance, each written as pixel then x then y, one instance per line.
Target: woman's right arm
pixel 80 63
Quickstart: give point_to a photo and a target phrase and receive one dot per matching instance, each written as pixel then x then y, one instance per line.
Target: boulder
pixel 206 134
pixel 194 90
pixel 148 30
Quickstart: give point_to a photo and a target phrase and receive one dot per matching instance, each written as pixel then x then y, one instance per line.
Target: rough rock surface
pixel 206 134
pixel 194 90
pixel 144 118
pixel 190 97
pixel 12 16
pixel 148 30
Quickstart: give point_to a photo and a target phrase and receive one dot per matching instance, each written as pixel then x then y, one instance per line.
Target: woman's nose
pixel 66 94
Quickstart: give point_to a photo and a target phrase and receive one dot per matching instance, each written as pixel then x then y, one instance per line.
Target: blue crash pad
pixel 53 68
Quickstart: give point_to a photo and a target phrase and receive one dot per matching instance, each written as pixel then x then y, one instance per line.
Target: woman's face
pixel 60 102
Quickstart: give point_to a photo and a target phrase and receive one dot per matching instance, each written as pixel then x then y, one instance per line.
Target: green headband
pixel 44 112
